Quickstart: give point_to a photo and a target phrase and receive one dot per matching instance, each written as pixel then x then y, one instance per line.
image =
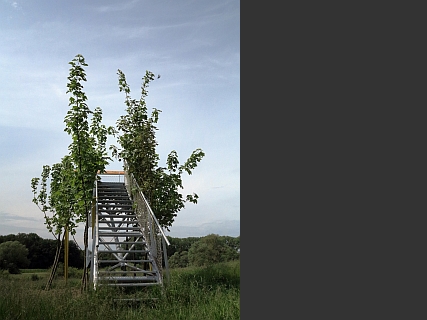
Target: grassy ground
pixel 192 293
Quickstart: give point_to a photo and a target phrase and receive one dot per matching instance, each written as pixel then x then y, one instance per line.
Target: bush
pixel 13 268
pixel 211 249
pixel 179 260
pixel 13 255
pixel 72 271
pixel 34 277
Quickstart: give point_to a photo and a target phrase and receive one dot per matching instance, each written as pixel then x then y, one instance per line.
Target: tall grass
pixel 192 293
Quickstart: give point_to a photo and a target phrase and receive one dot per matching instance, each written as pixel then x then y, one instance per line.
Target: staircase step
pixel 119 228
pixel 120 261
pixel 118 222
pixel 111 195
pixel 115 208
pixel 138 284
pixel 123 251
pixel 110 192
pixel 108 197
pixel 116 211
pixel 118 242
pixel 110 184
pixel 116 219
pixel 112 203
pixel 110 218
pixel 125 271
pixel 119 234
pixel 122 214
pixel 111 213
pixel 128 279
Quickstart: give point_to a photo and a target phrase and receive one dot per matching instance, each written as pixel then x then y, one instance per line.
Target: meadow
pixel 199 293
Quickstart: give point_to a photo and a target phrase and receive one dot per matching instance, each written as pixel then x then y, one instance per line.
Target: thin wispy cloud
pixel 7 217
pixel 13 4
pixel 121 6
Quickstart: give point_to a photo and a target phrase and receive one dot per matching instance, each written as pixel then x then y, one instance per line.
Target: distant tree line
pixel 33 252
pixel 30 251
pixel 202 251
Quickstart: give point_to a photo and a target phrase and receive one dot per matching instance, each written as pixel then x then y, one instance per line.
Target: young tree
pixel 71 180
pixel 137 139
pixel 59 202
pixel 87 150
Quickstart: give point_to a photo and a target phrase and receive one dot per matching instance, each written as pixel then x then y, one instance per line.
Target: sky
pixel 195 48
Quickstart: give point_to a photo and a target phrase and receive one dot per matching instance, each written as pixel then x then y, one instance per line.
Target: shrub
pixel 13 255
pixel 211 249
pixel 34 277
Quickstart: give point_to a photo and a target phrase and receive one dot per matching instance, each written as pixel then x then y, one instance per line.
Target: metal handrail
pixel 145 202
pixel 157 245
pixel 149 209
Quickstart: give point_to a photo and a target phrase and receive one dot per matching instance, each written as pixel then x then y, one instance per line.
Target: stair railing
pixel 151 228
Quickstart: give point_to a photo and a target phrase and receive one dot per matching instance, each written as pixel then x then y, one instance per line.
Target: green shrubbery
pixel 72 271
pixel 13 255
pixel 206 251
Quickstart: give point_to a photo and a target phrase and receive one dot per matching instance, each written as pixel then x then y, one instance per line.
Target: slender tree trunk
pixel 55 262
pixel 85 236
pixel 84 285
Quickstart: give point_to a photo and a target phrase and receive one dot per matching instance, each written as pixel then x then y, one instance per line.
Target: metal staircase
pixel 126 237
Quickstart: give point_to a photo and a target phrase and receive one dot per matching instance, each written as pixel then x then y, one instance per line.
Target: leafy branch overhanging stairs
pixel 127 240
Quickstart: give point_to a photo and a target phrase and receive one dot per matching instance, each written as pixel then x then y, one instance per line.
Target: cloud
pixel 6 217
pixel 117 7
pixel 14 4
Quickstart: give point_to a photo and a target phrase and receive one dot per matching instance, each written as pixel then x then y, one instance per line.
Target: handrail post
pixel 166 260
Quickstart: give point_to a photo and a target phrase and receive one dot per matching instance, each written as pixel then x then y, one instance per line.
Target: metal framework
pixel 127 240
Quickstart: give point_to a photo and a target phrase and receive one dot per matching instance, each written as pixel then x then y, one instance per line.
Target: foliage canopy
pixel 137 138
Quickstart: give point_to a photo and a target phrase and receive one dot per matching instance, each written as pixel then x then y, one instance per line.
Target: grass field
pixel 192 293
